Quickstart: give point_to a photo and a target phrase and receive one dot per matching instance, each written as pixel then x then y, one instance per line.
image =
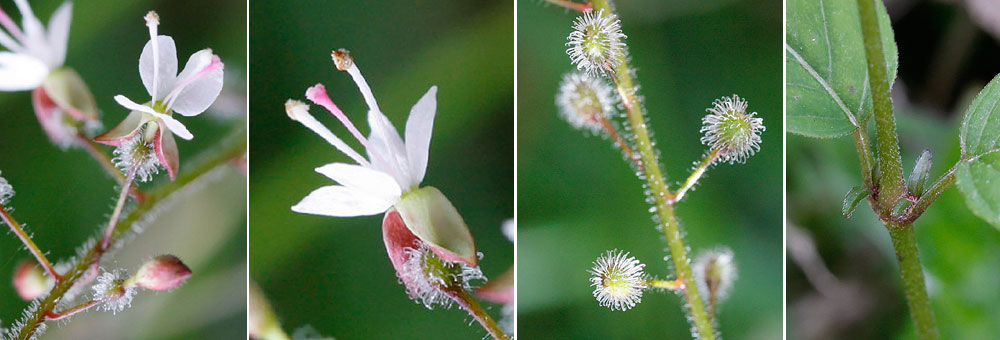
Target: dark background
pixel 333 273
pixel 945 57
pixel 577 198
pixel 64 197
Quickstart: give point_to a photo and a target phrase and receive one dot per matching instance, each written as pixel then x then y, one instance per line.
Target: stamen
pixel 366 91
pixel 317 94
pixel 215 64
pixel 153 22
pixel 299 111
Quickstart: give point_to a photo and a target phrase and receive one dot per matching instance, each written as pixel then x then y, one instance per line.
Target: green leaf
pixel 978 174
pixel 828 93
pixel 854 197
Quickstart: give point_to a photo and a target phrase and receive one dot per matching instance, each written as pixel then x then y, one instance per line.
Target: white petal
pixel 167 67
pixel 34 41
pixel 174 125
pixel 10 43
pixel 59 33
pixel 373 182
pixel 418 134
pixel 341 201
pixel 386 149
pixel 197 96
pixel 19 72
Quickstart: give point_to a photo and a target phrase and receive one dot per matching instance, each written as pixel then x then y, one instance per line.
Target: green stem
pixel 660 193
pixel 695 175
pixel 891 185
pixel 470 305
pixel 905 244
pixel 864 155
pixel 229 148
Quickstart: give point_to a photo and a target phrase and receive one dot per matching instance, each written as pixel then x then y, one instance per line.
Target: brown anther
pixel 342 58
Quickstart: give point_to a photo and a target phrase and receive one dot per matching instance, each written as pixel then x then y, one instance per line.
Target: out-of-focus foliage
pixel 64 198
pixel 333 273
pixel 577 198
pixel 944 61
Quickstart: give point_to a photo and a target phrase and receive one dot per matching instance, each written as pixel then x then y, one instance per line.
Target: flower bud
pixel 618 280
pixel 161 273
pixel 585 102
pixel 921 173
pixel 30 281
pixel 595 44
pixel 714 273
pixel 730 131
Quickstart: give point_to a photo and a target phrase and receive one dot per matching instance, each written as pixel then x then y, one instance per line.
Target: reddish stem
pixel 28 243
pixel 50 315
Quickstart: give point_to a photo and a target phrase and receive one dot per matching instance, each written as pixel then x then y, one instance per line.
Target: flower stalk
pixel 710 159
pixel 463 299
pixel 29 243
pixel 660 193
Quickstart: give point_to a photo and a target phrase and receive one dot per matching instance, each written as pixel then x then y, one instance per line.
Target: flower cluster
pixel 618 280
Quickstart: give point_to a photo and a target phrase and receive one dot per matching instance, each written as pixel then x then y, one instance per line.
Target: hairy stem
pixel 29 243
pixel 661 193
pixel 233 146
pixel 620 142
pixel 666 284
pixel 53 316
pixel 695 175
pixel 891 185
pixel 122 198
pixel 905 244
pixel 864 155
pixel 470 305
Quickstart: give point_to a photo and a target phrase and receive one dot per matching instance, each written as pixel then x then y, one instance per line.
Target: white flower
pixel 188 93
pixel 34 51
pixel 618 280
pixel 392 168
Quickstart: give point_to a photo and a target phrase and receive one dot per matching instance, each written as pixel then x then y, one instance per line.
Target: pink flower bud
pixel 29 280
pixel 161 273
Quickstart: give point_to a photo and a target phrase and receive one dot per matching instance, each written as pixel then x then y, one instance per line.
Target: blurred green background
pixel 853 288
pixel 577 198
pixel 333 273
pixel 64 198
